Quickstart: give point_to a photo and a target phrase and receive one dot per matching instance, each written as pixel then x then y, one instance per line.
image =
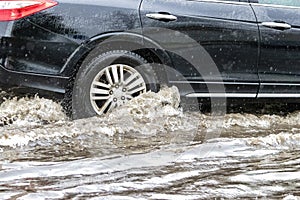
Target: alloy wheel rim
pixel 114 86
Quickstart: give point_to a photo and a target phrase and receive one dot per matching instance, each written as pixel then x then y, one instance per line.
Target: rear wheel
pixel 105 82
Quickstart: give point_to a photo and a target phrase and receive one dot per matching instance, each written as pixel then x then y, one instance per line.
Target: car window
pixel 295 3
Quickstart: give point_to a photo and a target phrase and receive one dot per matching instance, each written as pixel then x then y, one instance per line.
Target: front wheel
pixel 105 82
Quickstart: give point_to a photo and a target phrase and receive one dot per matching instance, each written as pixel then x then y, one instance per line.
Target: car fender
pixel 130 41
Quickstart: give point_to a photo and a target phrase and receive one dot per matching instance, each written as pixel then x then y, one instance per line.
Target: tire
pixel 107 81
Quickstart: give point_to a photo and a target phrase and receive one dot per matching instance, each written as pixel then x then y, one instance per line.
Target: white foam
pixel 277 141
pixel 148 114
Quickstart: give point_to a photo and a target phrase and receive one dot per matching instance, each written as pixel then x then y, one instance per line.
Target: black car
pixel 102 53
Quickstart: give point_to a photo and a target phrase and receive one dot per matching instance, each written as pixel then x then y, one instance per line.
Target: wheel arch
pixel 145 47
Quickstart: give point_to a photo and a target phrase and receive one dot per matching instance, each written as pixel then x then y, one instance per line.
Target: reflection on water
pixel 148 149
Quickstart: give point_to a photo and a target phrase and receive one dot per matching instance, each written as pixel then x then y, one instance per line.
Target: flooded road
pixel 148 149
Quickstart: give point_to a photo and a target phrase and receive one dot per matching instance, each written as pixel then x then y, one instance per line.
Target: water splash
pixel 37 120
pixel 282 140
pixel 149 114
pixel 30 112
pixel 261 121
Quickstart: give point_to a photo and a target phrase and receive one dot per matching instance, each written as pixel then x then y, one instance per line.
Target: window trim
pixel 224 2
pixel 256 3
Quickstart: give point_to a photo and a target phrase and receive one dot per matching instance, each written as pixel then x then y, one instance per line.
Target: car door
pixel 227 31
pixel 279 64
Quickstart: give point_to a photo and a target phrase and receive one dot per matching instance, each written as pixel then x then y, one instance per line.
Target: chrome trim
pixel 276 25
pixel 220 83
pixel 277 95
pixel 220 95
pixel 225 2
pixel 281 84
pixel 235 83
pixel 242 95
pixel 273 5
pixel 158 16
pixel 246 3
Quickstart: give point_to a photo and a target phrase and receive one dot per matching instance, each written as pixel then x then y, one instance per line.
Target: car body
pixel 253 45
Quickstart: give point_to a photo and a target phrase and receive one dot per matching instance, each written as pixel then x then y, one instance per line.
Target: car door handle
pixel 162 16
pixel 277 25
